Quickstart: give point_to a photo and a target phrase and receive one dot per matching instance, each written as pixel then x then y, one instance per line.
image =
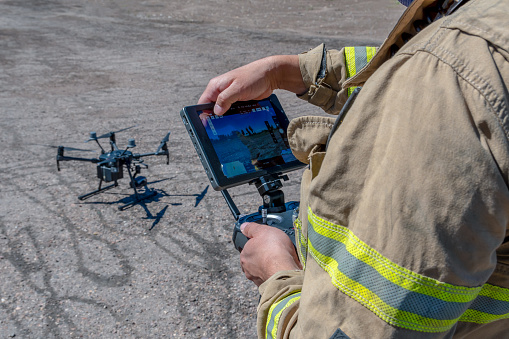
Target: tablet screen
pixel 248 138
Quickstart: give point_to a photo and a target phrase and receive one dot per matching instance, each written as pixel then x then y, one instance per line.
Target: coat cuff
pixel 323 73
pixel 276 288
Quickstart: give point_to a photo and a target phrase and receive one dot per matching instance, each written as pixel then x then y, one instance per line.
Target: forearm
pixel 287 73
pixel 254 81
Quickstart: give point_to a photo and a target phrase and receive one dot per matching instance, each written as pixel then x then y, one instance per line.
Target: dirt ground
pixel 166 268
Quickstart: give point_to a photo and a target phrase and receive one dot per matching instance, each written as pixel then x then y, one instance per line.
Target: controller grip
pixel 283 221
pixel 239 239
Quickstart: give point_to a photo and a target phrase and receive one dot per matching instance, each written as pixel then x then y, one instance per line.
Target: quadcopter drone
pixel 110 164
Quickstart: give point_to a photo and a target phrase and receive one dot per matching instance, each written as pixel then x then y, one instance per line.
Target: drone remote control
pixel 274 211
pixel 247 144
pixel 283 221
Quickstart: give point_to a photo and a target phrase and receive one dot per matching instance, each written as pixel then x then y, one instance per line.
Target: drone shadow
pixel 149 195
pixel 156 218
pixel 199 197
pixel 157 194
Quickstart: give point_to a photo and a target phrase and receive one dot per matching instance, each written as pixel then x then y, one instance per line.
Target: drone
pixel 110 165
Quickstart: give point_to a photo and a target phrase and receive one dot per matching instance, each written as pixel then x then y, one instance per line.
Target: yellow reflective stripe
pixel 478 317
pixel 491 304
pixel 398 296
pixel 371 301
pixel 495 292
pixel 389 270
pixel 370 51
pixel 301 241
pixel 350 62
pixel 356 58
pixel 275 312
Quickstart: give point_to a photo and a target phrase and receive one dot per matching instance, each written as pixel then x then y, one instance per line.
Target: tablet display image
pixel 248 138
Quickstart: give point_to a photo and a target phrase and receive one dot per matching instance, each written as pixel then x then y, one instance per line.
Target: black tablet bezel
pixel 208 155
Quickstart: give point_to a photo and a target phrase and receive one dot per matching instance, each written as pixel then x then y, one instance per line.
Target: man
pixel 403 224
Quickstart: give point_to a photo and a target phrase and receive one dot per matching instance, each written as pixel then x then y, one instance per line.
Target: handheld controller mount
pixel 247 144
pixel 274 211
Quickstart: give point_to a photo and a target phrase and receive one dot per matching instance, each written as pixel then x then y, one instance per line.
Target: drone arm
pixel 113 143
pixel 163 152
pixel 66 158
pixel 163 148
pixel 144 155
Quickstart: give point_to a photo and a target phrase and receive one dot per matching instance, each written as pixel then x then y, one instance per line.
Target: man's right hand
pixel 268 251
pixel 254 81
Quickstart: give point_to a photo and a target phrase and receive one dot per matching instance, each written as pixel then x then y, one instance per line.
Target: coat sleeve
pixel 279 303
pixel 324 72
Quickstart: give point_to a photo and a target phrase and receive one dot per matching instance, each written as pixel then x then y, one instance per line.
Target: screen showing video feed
pixel 247 138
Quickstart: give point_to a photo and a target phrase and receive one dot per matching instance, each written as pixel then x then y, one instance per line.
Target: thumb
pixel 250 229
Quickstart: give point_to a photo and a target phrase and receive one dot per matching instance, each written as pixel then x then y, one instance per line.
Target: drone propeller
pixel 164 141
pixel 69 148
pixel 107 135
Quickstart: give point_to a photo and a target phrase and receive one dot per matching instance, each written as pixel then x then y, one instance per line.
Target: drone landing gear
pixel 137 182
pixel 97 191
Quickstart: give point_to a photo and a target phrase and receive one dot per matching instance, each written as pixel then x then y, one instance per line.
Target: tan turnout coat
pixel 417 174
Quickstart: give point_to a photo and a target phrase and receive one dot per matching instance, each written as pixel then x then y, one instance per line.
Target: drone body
pixel 112 168
pixel 110 165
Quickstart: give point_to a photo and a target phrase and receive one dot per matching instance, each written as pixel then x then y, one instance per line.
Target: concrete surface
pixel 166 268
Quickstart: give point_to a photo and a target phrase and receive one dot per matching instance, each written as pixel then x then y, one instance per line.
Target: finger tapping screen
pixel 247 138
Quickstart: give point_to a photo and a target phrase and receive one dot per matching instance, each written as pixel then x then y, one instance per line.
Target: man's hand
pixel 254 81
pixel 268 251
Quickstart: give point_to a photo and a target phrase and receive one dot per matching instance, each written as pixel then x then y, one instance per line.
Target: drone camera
pixel 139 182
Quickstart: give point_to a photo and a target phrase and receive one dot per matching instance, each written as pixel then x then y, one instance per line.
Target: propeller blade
pixel 165 140
pixel 70 148
pixel 107 135
pixel 125 129
pixel 79 149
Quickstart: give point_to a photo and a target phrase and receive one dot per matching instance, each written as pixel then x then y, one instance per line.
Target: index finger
pixel 209 95
pixel 214 88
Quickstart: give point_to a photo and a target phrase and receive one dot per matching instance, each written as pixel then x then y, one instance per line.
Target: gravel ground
pixel 166 268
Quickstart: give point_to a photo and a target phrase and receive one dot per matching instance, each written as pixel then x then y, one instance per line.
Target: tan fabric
pixel 418 170
pixel 327 92
pixel 310 131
